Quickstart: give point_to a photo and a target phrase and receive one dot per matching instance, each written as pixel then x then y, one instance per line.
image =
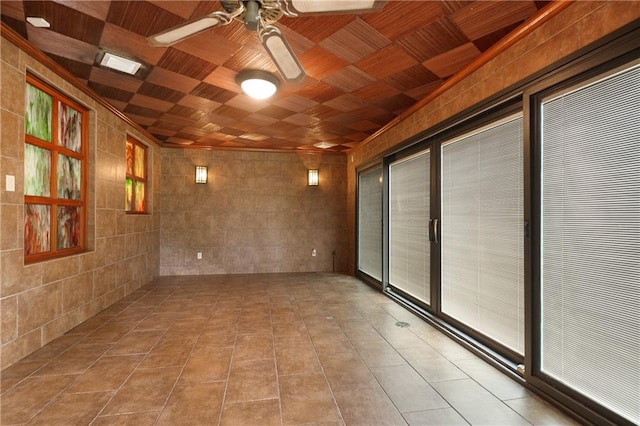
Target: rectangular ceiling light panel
pixel 119 63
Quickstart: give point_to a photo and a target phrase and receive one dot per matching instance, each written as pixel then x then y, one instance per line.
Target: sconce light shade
pixel 201 174
pixel 312 177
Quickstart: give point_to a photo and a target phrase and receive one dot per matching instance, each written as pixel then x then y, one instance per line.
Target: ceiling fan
pixel 260 16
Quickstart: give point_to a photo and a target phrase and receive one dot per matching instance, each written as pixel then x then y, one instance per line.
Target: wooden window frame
pixel 53 201
pixel 134 178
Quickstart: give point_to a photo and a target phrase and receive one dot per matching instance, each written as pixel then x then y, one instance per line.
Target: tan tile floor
pixel 277 349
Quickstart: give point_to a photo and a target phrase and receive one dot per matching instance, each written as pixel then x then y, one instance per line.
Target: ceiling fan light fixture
pixel 258 84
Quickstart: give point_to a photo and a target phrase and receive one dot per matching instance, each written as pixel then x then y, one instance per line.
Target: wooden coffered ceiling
pixel 362 70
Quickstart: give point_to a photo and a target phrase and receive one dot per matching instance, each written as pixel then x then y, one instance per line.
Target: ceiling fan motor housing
pixel 267 10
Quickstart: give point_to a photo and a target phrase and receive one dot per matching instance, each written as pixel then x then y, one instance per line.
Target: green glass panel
pixel 129 154
pixel 69 177
pixel 69 127
pixel 140 204
pixel 37 171
pixel 128 194
pixel 37 228
pixel 37 116
pixel 140 161
pixel 68 227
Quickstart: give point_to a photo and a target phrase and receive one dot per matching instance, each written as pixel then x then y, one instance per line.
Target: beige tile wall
pixel 256 214
pixel 575 27
pixel 41 301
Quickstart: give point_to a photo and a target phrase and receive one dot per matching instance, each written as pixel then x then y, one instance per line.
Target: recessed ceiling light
pixel 38 22
pixel 324 145
pixel 119 63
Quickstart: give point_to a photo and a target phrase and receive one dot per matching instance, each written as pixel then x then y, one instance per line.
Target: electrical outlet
pixel 313 252
pixel 199 255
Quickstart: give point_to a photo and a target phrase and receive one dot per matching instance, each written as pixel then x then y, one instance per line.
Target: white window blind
pixel 409 214
pixel 590 243
pixel 482 231
pixel 370 223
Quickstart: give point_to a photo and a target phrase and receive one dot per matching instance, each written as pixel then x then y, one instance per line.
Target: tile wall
pixel 256 214
pixel 41 301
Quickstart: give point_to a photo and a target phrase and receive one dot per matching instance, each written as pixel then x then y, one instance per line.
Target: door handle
pixel 433 230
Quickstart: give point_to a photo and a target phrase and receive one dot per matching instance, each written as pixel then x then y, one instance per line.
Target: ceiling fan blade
pixel 298 7
pixel 193 27
pixel 281 53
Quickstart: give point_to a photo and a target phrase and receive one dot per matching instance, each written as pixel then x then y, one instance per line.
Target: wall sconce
pixel 201 174
pixel 312 177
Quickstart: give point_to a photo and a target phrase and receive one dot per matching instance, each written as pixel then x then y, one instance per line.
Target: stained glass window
pixel 54 173
pixel 136 180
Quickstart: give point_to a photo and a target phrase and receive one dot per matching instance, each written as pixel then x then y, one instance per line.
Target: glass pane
pixel 37 116
pixel 482 241
pixel 129 195
pixel 69 127
pixel 370 223
pixel 37 228
pixel 68 227
pixel 139 163
pixel 129 155
pixel 139 207
pixel 69 173
pixel 409 214
pixel 590 241
pixel 37 171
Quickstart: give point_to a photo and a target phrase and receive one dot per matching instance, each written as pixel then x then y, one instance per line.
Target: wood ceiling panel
pixel 450 62
pixel 183 63
pixel 62 45
pixel 79 69
pixel 64 20
pixel 349 79
pixel 150 102
pixel 96 9
pixel 376 91
pixel 177 82
pixel 295 103
pixel 130 44
pixel 160 92
pixel 387 61
pixel 317 28
pixel 141 17
pixel 209 91
pixel 210 47
pixel 486 17
pixel 362 70
pixel 402 17
pixel 319 91
pixel 181 8
pixel 438 37
pixel 114 79
pixel 199 103
pixel 145 112
pixel 259 120
pixel 411 78
pixel 319 63
pixel 356 41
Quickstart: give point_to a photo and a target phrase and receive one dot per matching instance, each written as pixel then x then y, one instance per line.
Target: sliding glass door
pixel 482 278
pixel 590 240
pixel 370 222
pixel 409 218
